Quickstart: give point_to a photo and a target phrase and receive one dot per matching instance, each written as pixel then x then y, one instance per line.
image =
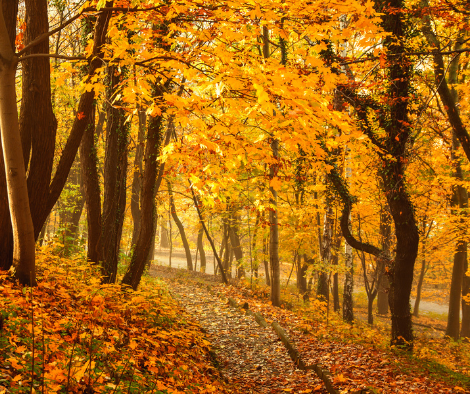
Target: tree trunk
pixel 137 177
pixel 384 283
pixel 187 250
pixel 274 263
pixel 334 262
pixel 37 121
pixel 151 254
pixel 323 293
pixel 227 251
pixel 202 253
pixel 459 204
pixel 85 110
pixel 149 184
pixel 421 273
pixel 302 267
pixel 465 330
pixel 164 241
pixel 253 246
pixel 115 176
pixel 10 11
pixel 235 243
pixel 209 238
pixel 348 307
pixel 266 261
pixel 91 187
pixel 370 316
pixel 18 200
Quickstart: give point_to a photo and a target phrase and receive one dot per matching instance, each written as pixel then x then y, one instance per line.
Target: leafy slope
pixel 358 356
pixel 89 338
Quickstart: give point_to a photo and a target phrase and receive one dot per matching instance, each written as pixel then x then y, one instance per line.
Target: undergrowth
pixel 441 358
pixel 71 334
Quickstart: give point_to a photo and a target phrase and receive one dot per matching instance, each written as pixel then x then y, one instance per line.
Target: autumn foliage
pixel 72 334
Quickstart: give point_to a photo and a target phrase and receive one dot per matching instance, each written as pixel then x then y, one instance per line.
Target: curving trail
pixel 250 357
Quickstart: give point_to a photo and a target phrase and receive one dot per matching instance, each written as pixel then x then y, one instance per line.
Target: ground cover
pixel 70 334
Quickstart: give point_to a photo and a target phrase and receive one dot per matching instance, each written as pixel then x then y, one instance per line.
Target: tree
pixel 18 200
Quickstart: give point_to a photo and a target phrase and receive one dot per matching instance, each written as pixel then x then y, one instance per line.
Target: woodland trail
pixel 253 360
pixel 249 356
pixel 179 261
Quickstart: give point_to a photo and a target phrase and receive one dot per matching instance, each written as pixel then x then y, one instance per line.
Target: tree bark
pixel 235 242
pixel 384 283
pixel 18 200
pixel 10 11
pixel 422 273
pixel 202 253
pixel 149 184
pixel 348 308
pixel 91 187
pixel 274 263
pixel 187 250
pixel 115 176
pixel 459 204
pixel 137 177
pixel 266 260
pixel 85 110
pixel 37 121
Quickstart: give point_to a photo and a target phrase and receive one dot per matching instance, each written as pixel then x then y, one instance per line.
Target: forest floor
pixel 433 311
pixel 357 356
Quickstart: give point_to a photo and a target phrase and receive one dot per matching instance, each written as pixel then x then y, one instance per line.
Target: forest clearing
pixel 257 196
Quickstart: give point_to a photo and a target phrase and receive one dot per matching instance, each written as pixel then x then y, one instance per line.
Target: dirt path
pixel 249 356
pixel 180 262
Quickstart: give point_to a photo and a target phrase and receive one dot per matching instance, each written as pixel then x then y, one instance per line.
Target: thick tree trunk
pixel 10 11
pixel 115 176
pixel 37 121
pixel 18 201
pixel 85 110
pixel 151 254
pixel 91 187
pixel 384 283
pixel 149 184
pixel 184 239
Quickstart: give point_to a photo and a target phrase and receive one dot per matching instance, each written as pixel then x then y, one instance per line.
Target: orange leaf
pixel 80 115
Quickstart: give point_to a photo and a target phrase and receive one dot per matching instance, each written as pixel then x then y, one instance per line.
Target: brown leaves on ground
pixel 358 356
pixel 250 356
pixel 83 337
